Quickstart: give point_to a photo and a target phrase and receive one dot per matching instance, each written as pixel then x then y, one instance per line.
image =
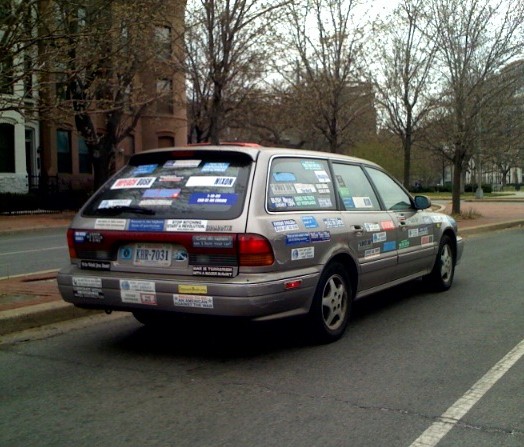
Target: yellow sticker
pixel 192 289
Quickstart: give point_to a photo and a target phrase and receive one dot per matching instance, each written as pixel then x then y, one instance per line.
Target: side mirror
pixel 422 202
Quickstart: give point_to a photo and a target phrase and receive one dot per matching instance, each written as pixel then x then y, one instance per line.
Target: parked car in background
pixel 252 232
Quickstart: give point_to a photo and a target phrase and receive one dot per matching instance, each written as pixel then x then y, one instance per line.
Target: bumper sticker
pixel 196 301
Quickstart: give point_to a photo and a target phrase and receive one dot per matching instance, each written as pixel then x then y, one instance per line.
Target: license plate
pixel 152 255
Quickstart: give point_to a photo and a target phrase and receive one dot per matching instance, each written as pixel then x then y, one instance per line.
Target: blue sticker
pixel 320 236
pixel 202 198
pixel 80 236
pixel 389 246
pixel 297 238
pixel 348 202
pixel 215 167
pixel 144 169
pixel 309 222
pixel 146 225
pixel 126 253
pixel 311 165
pixel 284 177
pixel 161 193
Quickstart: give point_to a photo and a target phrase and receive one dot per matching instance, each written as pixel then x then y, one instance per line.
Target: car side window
pixel 393 196
pixel 298 184
pixel 354 189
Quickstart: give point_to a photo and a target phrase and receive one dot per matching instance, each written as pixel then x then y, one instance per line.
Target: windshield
pixel 176 184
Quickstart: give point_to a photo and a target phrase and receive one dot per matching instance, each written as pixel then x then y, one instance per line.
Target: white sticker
pixel 372 252
pixel 304 188
pixel 198 301
pixel 380 237
pixel 371 227
pixel 137 286
pixel 135 297
pixel 322 176
pixel 110 224
pixel 155 202
pixel 285 225
pixel 362 202
pixel 185 225
pixel 113 203
pixel 83 281
pixel 282 188
pixel 182 163
pixel 302 253
pixel 133 182
pixel 198 180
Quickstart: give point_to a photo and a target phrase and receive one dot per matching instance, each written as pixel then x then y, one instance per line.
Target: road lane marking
pixel 21 275
pixel 33 251
pixel 432 436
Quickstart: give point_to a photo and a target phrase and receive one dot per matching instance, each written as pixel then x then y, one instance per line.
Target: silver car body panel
pixel 382 247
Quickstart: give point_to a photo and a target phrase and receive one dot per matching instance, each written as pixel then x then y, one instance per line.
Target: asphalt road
pixel 410 361
pixel 32 251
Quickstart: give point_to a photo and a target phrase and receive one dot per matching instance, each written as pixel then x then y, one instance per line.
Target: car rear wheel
pixel 441 277
pixel 329 313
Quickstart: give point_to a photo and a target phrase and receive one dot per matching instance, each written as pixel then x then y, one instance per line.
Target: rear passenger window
pixel 354 188
pixel 300 184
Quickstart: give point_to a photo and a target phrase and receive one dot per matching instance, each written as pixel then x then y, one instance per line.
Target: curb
pixel 29 317
pixel 491 227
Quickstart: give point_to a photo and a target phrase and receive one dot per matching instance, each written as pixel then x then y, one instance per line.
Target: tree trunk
pixel 457 177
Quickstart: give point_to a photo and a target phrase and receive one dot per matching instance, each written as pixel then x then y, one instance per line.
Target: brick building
pixel 49 147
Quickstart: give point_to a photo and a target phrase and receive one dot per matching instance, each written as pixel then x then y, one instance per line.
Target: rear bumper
pixel 260 296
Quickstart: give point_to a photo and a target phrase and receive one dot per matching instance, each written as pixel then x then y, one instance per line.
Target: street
pixel 28 252
pixel 407 359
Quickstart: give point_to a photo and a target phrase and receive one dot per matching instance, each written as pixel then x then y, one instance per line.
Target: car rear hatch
pixel 172 212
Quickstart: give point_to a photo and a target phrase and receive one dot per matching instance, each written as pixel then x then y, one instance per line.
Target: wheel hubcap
pixel 446 262
pixel 334 302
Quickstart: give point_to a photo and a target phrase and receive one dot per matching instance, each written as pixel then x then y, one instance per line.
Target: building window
pixel 7 147
pixel 164 89
pixel 6 74
pixel 84 164
pixel 163 40
pixel 63 150
pixel 62 80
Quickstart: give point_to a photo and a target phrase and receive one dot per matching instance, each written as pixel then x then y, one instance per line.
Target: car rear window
pixel 176 184
pixel 300 184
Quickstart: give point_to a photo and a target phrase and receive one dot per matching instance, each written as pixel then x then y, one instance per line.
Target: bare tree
pixel 476 39
pixel 227 42
pixel 502 128
pixel 402 68
pixel 21 34
pixel 323 45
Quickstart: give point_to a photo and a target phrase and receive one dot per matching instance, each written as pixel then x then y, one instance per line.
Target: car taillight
pixel 71 243
pixel 254 251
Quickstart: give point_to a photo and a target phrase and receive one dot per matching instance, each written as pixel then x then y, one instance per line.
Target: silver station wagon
pixel 254 232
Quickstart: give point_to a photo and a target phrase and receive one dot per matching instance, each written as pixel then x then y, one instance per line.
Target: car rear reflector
pixel 254 251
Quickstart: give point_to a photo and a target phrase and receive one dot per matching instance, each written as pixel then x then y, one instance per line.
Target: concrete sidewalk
pixel 31 301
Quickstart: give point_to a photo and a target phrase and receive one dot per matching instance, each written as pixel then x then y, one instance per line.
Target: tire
pixel 329 313
pixel 441 277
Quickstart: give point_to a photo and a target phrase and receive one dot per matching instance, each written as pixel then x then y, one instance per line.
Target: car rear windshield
pixel 176 184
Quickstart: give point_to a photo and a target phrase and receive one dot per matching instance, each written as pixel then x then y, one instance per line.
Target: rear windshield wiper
pixel 115 210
